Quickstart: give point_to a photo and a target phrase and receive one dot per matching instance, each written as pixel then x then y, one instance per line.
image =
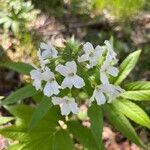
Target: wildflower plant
pixel 64 79
pixel 16 14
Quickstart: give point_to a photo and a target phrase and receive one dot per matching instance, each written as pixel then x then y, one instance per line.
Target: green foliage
pixel 138 85
pixel 62 140
pixel 118 8
pixel 83 135
pixel 139 95
pixel 96 118
pixel 20 94
pixel 4 120
pixel 40 112
pixel 48 5
pixel 138 91
pixel 132 111
pixel 17 66
pixel 45 128
pixel 47 134
pixel 15 14
pixel 44 136
pixel 120 122
pixel 82 6
pixel 127 65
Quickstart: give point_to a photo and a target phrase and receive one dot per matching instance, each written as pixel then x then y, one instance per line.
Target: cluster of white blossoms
pixel 44 79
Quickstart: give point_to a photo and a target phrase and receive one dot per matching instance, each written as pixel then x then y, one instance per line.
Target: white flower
pixel 107 69
pixel 91 54
pixel 36 76
pixel 66 104
pixel 110 52
pixel 43 61
pixel 69 72
pixel 49 51
pixel 51 86
pixel 104 91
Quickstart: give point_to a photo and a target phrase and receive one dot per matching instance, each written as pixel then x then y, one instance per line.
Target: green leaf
pixel 138 85
pixel 20 94
pixel 96 118
pixel 120 122
pixel 127 65
pixel 18 146
pixel 40 112
pixel 132 111
pixel 4 120
pixel 17 66
pixel 59 140
pixel 83 135
pixel 38 97
pixel 139 95
pixel 62 141
pixel 44 136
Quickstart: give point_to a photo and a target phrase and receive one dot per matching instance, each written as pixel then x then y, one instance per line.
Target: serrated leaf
pixel 42 136
pixel 96 118
pixel 132 111
pixel 126 66
pixel 24 113
pixel 83 135
pixel 138 85
pixel 4 120
pixel 57 141
pixel 17 66
pixel 121 123
pixel 20 94
pixel 138 95
pixel 40 112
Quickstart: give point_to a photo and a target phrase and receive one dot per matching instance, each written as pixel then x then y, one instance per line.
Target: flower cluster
pixel 44 78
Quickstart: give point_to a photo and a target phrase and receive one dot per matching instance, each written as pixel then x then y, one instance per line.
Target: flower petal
pixel 67 82
pixel 54 52
pixel 49 51
pixel 62 70
pixel 65 109
pixel 73 107
pixel 47 74
pixel 92 62
pixel 46 54
pixel 83 58
pixel 77 81
pixel 98 51
pixel 48 91
pixel 36 74
pixel 88 47
pixel 100 98
pixel 71 66
pixel 55 87
pixel 37 84
pixel 44 46
pixel 103 77
pixel 113 71
pixel 110 50
pixel 57 100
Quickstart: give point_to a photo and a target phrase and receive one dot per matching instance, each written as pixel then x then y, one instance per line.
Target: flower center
pixel 51 80
pixel 71 74
pixel 91 54
pixel 98 89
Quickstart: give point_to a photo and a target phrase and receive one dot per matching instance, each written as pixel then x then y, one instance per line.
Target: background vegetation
pixel 24 24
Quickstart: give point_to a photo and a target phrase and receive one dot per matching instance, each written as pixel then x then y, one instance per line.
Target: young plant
pixel 68 78
pixel 16 14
